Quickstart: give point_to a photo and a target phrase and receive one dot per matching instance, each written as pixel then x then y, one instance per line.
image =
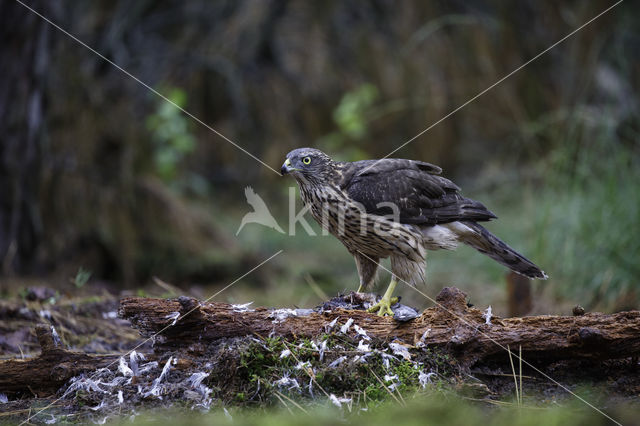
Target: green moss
pixel 360 376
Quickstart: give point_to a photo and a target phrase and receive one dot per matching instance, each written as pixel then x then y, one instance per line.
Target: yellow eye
pixel 306 160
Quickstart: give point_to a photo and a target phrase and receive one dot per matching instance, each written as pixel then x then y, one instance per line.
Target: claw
pixel 383 307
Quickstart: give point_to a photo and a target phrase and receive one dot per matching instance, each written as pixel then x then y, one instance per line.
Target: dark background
pixel 101 181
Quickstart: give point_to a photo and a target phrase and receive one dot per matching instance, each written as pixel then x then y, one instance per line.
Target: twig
pixel 315 287
pixel 284 403
pixel 387 389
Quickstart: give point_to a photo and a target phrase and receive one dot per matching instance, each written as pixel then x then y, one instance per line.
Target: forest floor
pixel 239 377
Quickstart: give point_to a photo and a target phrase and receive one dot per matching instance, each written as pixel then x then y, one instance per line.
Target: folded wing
pixel 422 196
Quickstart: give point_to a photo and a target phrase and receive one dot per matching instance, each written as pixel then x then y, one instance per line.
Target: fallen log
pixel 463 332
pixel 454 328
pixel 43 375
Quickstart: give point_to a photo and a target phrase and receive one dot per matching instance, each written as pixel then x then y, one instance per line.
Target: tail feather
pixel 485 242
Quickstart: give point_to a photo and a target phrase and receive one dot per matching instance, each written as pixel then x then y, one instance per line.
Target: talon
pixel 383 307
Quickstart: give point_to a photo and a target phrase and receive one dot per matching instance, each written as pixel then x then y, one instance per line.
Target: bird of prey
pixel 398 209
pixel 260 213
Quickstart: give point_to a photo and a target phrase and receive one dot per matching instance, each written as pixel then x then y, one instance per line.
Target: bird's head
pixel 308 164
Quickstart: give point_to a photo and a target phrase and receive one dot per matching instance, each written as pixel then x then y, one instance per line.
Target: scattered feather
pixel 362 358
pixel 425 378
pixel 361 331
pixel 45 313
pixel 148 366
pixel 120 397
pixel 323 347
pixel 242 308
pixel 303 365
pixel 117 381
pixel 287 382
pixel 197 378
pixel 285 353
pixel 329 327
pixel 362 347
pixel 56 338
pixel 110 315
pixel 133 361
pixel 420 343
pixel 339 401
pixel 337 362
pixel 205 392
pixel 3 398
pixel 390 378
pixel 385 363
pixel 387 356
pixel 400 350
pixel 487 316
pixel 155 388
pixel 97 407
pixel 280 315
pixel 84 383
pixel 345 328
pixel 202 390
pixel 334 400
pixel 394 381
pixel 173 316
pixel 124 368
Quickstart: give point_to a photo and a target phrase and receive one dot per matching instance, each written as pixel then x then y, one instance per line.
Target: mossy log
pixel 43 375
pixel 452 326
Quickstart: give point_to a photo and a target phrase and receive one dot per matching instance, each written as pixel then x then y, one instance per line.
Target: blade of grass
pixel 515 378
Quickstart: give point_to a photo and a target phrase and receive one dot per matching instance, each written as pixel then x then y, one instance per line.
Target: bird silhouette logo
pixel 260 214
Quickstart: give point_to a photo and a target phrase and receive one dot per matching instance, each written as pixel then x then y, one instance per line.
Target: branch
pixel 51 369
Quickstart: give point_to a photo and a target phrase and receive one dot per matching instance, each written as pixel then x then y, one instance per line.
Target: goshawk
pixel 398 209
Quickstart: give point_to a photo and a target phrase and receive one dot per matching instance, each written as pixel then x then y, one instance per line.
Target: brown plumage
pixel 395 208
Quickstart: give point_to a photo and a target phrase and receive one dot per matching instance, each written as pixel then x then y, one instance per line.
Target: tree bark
pixel 24 63
pixel 461 331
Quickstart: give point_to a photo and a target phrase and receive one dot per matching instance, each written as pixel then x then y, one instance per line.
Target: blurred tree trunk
pixel 24 59
pixel 518 294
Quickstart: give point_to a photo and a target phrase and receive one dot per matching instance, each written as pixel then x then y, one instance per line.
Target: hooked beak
pixel 286 167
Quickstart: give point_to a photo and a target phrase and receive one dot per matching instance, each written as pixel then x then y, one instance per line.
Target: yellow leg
pixel 360 289
pixel 383 307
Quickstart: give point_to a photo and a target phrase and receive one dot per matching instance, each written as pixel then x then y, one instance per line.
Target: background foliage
pixel 98 173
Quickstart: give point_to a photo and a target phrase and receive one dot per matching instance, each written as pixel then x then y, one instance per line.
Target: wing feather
pixel 422 196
